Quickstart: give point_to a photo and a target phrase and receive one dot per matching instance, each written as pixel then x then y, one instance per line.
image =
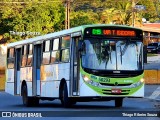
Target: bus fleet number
pixel 104 79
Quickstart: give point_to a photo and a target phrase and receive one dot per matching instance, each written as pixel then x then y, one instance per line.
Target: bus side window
pixel 55 54
pixel 65 55
pixel 65 45
pixel 46 52
pixel 65 42
pixel 30 54
pixel 10 58
pixel 24 56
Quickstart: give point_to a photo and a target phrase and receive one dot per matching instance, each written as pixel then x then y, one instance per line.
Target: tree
pixel 84 12
pixel 150 12
pixel 37 16
pixel 47 16
pixel 82 18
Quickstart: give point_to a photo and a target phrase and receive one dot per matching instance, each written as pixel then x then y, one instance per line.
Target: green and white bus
pixel 85 63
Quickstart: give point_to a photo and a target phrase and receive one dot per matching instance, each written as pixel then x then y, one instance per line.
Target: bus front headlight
pixel 139 83
pixel 142 80
pixel 86 79
pixel 89 81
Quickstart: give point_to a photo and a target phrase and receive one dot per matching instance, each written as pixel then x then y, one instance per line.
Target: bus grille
pixel 106 84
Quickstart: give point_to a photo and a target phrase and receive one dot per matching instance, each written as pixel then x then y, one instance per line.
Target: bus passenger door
pixel 17 71
pixel 36 70
pixel 74 67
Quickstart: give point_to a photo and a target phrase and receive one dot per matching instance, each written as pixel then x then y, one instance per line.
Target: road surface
pixel 139 107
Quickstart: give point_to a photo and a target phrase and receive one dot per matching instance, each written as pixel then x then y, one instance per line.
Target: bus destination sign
pixel 112 32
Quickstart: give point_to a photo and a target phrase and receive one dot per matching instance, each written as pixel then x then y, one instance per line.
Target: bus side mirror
pixel 81 48
pixel 82 52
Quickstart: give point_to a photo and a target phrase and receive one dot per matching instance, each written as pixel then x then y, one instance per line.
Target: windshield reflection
pixel 112 54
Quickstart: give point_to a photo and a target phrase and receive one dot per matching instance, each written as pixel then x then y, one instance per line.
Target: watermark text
pixel 24 33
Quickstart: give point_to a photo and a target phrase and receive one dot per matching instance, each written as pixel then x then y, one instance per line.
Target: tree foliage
pixel 47 16
pixel 38 16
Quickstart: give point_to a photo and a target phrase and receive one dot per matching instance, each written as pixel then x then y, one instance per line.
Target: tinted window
pixel 10 58
pixel 46 52
pixel 65 55
pixel 55 44
pixel 55 53
pixel 24 56
pixel 153 44
pixel 30 51
pixel 65 42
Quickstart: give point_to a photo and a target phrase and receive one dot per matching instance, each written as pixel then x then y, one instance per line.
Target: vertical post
pixel 67 14
pixel 149 36
pixel 133 15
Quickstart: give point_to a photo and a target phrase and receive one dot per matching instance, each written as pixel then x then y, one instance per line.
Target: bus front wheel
pixel 65 100
pixel 118 102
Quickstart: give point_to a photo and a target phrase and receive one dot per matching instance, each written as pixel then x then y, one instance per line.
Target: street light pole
pixel 134 5
pixel 67 14
pixel 133 15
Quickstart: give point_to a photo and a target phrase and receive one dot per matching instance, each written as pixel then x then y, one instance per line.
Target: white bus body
pixel 56 73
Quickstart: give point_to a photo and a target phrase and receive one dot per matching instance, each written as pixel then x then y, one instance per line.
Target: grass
pixel 151 54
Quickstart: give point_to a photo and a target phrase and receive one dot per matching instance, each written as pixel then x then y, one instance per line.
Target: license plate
pixel 116 91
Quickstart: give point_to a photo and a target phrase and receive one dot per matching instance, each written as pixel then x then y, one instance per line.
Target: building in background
pixel 151 32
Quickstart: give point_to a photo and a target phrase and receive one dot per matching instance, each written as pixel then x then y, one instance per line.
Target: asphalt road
pixel 94 110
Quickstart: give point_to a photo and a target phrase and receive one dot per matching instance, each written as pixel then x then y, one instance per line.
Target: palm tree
pixel 120 14
pixel 107 15
pixel 124 13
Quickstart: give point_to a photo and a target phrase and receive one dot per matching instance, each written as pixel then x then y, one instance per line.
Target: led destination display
pixel 108 32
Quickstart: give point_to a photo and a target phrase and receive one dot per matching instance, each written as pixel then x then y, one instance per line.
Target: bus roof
pixel 63 32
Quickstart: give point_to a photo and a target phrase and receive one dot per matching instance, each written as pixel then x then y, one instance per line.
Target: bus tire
pixel 27 101
pixel 118 102
pixel 65 100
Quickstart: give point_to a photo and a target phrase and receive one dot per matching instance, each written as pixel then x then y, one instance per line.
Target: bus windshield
pixel 112 54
